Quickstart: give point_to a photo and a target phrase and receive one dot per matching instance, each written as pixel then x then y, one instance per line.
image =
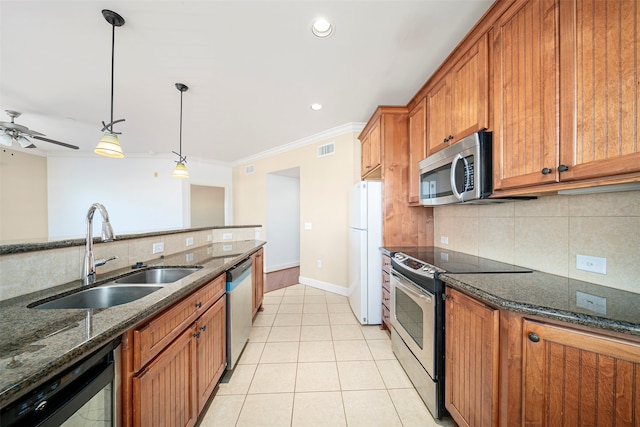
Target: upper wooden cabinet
pixel 417 148
pixel 565 94
pixel 371 145
pixel 458 103
pixel 572 377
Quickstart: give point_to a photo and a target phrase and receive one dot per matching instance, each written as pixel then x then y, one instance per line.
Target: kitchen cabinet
pixel 471 360
pixel 417 148
pixel 458 103
pixel 572 377
pixel 257 280
pixel 371 158
pixel 386 292
pixel 565 95
pixel 402 225
pixel 173 362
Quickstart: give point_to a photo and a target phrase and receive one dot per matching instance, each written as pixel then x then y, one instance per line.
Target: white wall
pixel 139 193
pixel 283 222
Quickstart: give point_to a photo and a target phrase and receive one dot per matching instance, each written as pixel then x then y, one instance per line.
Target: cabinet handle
pixel 534 337
pixel 198 305
pixel 546 171
pixel 203 328
pixel 444 141
pixel 563 168
pixel 197 335
pixel 450 138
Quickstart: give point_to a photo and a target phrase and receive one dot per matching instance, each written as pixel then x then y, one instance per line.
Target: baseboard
pixel 279 267
pixel 325 286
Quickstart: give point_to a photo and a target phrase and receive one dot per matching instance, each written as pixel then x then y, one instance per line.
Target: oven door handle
pixel 408 289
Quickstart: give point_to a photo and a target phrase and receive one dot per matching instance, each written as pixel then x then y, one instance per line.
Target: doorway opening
pixel 207 206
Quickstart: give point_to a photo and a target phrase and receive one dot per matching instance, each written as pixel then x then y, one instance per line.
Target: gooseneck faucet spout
pixel 89 270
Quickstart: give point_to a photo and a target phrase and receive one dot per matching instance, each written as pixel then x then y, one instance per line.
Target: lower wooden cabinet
pixel 573 377
pixel 211 350
pixel 386 293
pixel 258 280
pixel 471 360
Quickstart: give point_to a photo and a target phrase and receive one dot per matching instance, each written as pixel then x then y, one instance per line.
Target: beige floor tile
pixel 315 308
pixel 333 298
pixel 267 410
pixel 392 374
pixel 360 375
pixel 370 408
pixel 322 409
pixel 263 319
pixel 280 352
pixel 339 308
pixel 276 292
pixel 343 319
pixel 239 382
pixel 352 350
pixel 224 411
pixel 290 292
pixel 413 411
pixel 317 376
pixel 288 319
pixel 381 349
pixel 284 333
pixel 313 291
pixel 374 332
pixel 270 308
pixel 316 351
pixel 315 319
pixel 296 287
pixel 293 299
pixel 251 353
pixel 290 308
pixel 274 378
pixel 259 333
pixel 346 332
pixel 272 299
pixel 315 333
pixel 315 299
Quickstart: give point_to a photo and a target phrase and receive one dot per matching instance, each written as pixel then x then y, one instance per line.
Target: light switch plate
pixel 308 226
pixel 591 302
pixel 593 264
pixel 189 241
pixel 444 239
pixel 158 247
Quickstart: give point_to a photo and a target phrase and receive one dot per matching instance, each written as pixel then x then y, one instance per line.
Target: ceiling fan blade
pixel 19 128
pixel 55 142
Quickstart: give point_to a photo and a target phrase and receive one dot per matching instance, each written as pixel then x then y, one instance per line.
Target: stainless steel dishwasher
pixel 239 295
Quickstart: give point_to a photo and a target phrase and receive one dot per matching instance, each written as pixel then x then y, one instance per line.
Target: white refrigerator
pixel 365 261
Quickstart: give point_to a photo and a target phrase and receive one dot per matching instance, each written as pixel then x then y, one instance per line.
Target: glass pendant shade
pixel 109 146
pixel 6 139
pixel 180 171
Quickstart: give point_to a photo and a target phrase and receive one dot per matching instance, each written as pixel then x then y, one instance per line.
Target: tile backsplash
pixel 23 273
pixel 546 234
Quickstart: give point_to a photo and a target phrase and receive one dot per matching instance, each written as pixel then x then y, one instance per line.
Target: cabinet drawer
pixel 151 338
pixel 386 297
pixel 386 263
pixel 386 281
pixel 386 315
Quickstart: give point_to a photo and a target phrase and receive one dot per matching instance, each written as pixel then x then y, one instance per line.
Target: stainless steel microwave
pixel 459 173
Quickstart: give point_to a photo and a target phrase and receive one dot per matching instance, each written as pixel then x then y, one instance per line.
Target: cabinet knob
pixel 450 138
pixel 203 328
pixel 444 140
pixel 534 337
pixel 197 335
pixel 546 171
pixel 563 168
pixel 198 305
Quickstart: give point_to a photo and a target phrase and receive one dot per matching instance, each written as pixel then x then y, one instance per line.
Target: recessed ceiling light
pixel 322 28
pixel 316 107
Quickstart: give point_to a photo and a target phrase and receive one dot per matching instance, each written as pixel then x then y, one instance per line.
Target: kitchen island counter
pixel 36 344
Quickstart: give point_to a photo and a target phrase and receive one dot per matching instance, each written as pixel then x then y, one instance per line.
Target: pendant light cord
pixel 113 42
pixel 180 155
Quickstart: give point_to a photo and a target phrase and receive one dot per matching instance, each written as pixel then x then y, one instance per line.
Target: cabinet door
pixel 599 88
pixel 471 361
pixel 417 147
pixel 164 393
pixel 258 280
pixel 375 141
pixel 470 91
pixel 365 156
pixel 578 378
pixel 525 110
pixel 211 347
pixel 438 117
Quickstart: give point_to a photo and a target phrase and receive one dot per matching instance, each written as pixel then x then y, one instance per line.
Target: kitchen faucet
pixel 89 269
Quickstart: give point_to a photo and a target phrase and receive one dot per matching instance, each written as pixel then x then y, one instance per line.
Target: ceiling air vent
pixel 326 149
pixel 249 169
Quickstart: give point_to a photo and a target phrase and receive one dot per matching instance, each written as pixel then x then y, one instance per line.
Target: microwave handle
pixel 452 175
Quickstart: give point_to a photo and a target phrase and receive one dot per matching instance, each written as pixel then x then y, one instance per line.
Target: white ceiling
pixel 253 68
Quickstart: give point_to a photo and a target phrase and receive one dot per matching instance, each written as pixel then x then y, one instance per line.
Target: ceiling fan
pixel 13 132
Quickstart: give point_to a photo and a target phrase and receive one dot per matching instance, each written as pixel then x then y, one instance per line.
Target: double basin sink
pixel 120 291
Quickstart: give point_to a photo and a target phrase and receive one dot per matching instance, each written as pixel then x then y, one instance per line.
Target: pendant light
pixel 109 146
pixel 180 170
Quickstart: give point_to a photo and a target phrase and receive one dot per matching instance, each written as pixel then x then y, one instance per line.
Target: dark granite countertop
pixel 26 246
pixel 36 344
pixel 550 296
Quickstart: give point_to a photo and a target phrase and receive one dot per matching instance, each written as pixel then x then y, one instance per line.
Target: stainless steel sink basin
pixel 158 275
pixel 101 297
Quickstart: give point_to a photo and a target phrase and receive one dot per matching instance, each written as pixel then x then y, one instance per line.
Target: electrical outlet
pixel 227 247
pixel 209 237
pixel 591 302
pixel 158 247
pixel 308 226
pixel 189 241
pixel 444 239
pixel 319 263
pixel 593 264
pixel 227 236
pixel 189 257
